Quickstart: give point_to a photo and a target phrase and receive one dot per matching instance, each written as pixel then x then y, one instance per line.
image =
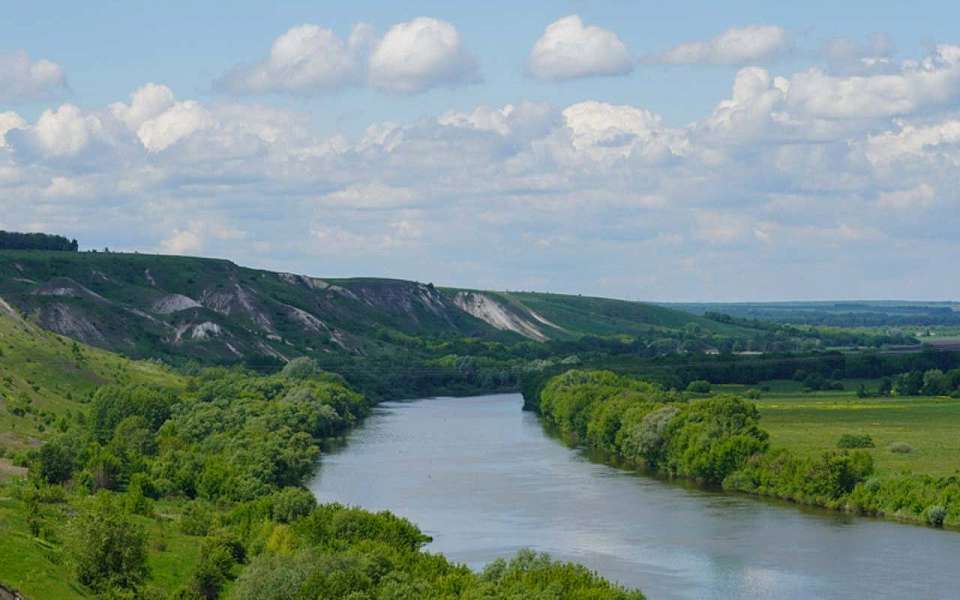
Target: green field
pixel 810 423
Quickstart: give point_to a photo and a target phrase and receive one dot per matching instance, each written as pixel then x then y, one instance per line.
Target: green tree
pixel 107 547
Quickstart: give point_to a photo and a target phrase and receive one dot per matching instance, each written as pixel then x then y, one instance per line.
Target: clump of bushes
pixel 852 440
pixel 699 386
pixel 935 515
pixel 900 448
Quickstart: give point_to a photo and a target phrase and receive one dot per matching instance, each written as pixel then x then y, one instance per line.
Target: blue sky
pixel 628 167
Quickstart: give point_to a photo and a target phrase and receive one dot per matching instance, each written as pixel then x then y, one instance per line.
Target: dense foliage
pixel 226 457
pixel 704 439
pixel 717 440
pixel 10 240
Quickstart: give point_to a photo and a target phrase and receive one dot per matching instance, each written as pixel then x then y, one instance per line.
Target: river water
pixel 484 479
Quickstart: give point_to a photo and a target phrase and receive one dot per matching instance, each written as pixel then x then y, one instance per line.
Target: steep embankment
pixel 213 310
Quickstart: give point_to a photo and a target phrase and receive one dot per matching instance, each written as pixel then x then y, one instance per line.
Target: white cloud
pixel 570 190
pixel 604 131
pixel 849 56
pixel 367 196
pixel 193 238
pixel 915 142
pixel 421 54
pixel 9 120
pixel 66 131
pixel 145 103
pixel 172 125
pixel 306 59
pixel 920 197
pixel 569 50
pixel 918 85
pixel 23 79
pixel 735 46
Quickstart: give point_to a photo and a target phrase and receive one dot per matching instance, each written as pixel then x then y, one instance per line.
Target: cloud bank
pixel 793 181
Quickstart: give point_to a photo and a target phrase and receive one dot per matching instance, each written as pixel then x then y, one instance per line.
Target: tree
pixel 935 383
pixel 699 386
pixel 107 546
pixel 56 461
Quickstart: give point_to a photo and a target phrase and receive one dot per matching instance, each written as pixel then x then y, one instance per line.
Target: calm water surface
pixel 482 478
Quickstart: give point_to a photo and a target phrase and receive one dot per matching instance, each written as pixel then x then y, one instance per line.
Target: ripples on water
pixel 484 479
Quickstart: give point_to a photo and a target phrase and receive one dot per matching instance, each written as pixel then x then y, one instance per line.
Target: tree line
pixel 10 240
pixel 717 440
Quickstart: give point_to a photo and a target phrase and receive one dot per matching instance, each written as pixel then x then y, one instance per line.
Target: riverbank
pixel 719 441
pixel 483 478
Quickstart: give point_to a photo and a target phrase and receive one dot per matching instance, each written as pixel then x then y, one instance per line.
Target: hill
pixel 45 377
pixel 178 308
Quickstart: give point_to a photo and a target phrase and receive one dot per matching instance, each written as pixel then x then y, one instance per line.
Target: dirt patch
pixel 8 471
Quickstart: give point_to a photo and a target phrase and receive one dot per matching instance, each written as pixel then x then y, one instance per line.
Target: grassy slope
pixel 585 315
pixel 131 283
pixel 810 423
pixel 35 567
pixel 43 374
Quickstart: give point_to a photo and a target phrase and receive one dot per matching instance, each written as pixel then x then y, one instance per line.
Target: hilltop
pixel 211 310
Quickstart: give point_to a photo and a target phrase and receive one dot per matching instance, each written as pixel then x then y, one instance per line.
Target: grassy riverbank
pixel 723 440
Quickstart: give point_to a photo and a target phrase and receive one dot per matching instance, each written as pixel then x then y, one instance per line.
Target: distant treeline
pixel 11 240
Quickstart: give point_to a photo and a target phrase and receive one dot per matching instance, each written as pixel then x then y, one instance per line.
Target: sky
pixel 696 151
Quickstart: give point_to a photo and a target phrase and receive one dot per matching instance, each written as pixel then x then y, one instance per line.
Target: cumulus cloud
pixel 66 131
pixel 411 57
pixel 916 85
pixel 421 54
pixel 735 46
pixel 23 79
pixel 569 50
pixel 306 59
pixel 568 191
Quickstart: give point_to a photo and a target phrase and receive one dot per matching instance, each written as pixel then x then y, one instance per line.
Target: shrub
pixel 851 440
pixel 699 387
pixel 935 515
pixel 290 504
pixel 197 519
pixel 108 548
pixel 900 448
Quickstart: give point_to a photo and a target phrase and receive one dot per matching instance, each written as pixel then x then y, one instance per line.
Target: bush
pixel 197 519
pixel 290 504
pixel 108 548
pixel 935 515
pixel 699 387
pixel 851 440
pixel 900 448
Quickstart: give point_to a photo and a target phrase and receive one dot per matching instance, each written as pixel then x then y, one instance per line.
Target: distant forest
pixel 10 240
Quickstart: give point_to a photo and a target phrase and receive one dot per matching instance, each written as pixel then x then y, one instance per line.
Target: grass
pixel 37 567
pixel 44 376
pixel 810 423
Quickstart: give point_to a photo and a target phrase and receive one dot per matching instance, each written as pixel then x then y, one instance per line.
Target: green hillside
pixel 178 308
pixel 45 377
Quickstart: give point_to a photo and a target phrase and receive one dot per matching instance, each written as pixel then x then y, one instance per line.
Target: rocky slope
pixel 207 309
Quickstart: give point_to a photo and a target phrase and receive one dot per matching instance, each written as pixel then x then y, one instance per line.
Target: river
pixel 484 479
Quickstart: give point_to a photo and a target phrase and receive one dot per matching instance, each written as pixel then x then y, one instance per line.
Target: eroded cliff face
pixel 153 305
pixel 504 315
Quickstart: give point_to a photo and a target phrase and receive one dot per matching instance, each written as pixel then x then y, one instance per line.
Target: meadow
pixel 809 423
